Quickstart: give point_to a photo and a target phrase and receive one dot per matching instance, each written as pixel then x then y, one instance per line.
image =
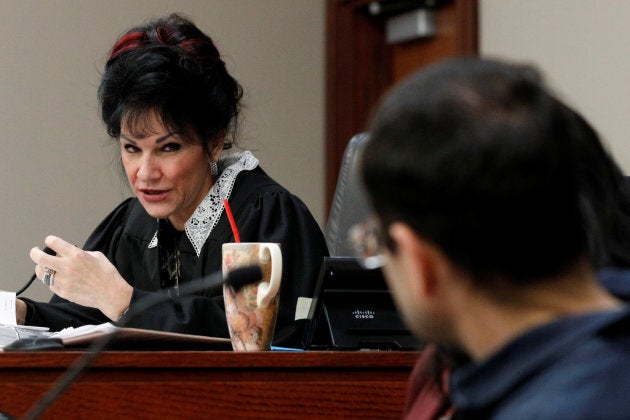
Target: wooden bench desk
pixel 211 384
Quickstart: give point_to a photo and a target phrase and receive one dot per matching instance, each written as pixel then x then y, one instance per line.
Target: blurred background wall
pixel 58 172
pixel 581 46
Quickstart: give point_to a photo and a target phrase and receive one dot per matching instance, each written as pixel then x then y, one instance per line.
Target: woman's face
pixel 169 174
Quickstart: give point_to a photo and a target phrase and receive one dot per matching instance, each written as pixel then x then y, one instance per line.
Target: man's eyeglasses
pixel 365 241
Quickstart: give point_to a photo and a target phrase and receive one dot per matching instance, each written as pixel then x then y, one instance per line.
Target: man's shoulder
pixel 616 281
pixel 590 386
pixel 588 380
pixel 573 368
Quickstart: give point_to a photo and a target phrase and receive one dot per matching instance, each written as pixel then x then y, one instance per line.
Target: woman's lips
pixel 154 195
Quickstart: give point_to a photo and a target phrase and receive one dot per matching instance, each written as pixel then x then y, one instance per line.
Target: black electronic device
pixel 352 309
pixel 34 344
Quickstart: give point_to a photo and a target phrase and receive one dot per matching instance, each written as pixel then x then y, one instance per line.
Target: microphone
pixel 237 278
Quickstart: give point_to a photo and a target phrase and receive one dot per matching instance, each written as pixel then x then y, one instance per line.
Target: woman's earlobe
pixel 214 168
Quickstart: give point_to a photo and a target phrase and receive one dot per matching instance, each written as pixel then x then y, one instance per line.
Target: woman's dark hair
pixel 479 158
pixel 172 68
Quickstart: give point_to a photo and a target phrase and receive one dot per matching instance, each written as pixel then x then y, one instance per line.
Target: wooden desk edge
pixel 149 359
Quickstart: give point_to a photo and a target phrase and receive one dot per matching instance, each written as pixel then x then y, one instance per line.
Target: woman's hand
pixel 84 277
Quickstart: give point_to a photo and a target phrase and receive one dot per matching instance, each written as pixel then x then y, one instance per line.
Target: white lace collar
pixel 207 215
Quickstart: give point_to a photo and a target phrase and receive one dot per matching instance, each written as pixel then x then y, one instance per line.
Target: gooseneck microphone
pixel 236 278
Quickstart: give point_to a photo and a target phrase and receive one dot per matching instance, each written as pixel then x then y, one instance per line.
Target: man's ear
pixel 417 256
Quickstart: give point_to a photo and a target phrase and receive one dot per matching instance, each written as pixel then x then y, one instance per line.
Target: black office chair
pixel 349 205
pixel 352 308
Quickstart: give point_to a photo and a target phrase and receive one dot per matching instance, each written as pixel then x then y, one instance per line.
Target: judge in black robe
pixel 263 210
pixel 169 102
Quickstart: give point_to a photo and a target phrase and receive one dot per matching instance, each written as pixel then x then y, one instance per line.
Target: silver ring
pixel 49 277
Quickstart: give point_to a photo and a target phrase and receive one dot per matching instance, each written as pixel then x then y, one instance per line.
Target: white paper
pixel 84 330
pixel 7 308
pixel 302 308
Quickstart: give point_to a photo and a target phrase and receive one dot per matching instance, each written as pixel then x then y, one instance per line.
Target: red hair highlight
pixel 190 46
pixel 128 42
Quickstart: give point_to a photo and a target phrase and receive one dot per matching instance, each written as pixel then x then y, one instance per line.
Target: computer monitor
pixel 352 309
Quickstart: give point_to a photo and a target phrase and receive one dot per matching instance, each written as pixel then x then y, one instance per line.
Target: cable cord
pixel 26 285
pixel 34 276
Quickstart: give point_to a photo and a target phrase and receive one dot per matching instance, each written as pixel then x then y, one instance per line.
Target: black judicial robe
pixel 264 212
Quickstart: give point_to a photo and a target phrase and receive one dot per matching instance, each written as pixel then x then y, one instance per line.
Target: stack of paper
pixel 10 333
pixel 129 338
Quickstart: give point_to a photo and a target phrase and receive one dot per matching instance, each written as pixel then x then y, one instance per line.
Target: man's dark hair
pixel 480 159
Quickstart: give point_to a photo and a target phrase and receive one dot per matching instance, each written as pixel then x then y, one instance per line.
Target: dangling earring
pixel 214 168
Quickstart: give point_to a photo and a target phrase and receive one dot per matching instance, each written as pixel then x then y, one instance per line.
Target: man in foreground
pixel 476 172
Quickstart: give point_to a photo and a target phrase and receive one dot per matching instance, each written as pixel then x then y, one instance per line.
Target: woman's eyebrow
pixel 158 140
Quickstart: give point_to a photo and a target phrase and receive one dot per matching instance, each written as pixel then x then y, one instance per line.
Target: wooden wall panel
pixel 361 66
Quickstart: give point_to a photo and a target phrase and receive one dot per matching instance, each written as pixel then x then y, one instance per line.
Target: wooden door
pixel 361 65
